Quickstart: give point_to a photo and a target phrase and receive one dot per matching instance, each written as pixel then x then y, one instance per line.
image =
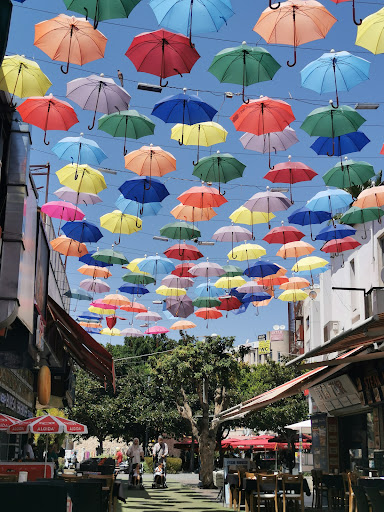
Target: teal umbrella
pixel 232 271
pixel 348 173
pixel 100 10
pixel 138 278
pixel 78 294
pixel 244 65
pixel 219 168
pixel 180 231
pixel 356 215
pixel 110 256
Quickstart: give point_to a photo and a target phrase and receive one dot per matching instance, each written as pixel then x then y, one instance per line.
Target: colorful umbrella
pixel 356 215
pixel 116 300
pixel 330 200
pixel 333 232
pixel 133 266
pixel 93 271
pixel 295 283
pixel 293 295
pixel 139 278
pixel 94 285
pixel 91 325
pixel 47 113
pixel 206 302
pixel 173 281
pixel 272 280
pixel 250 287
pixel 150 161
pixel 343 144
pixel 305 217
pixel 335 71
pixel 117 222
pixel 290 172
pixel 134 289
pixel 202 197
pixel 261 269
pixel 180 231
pixel 230 282
pixel 99 94
pixel 110 257
pixel 6 421
pixel 170 292
pixel 232 271
pixel 268 202
pixel 369 33
pixel 348 173
pixel 232 234
pixel 68 247
pixel 90 316
pixel 77 294
pixel 133 208
pixel 149 316
pixel 207 269
pixel 189 17
pixel 182 270
pixel 192 214
pixel 156 265
pixel 207 290
pixel 244 65
pixel 79 149
pixel 143 190
pixel 229 303
pixel 69 39
pixel 219 168
pixel 101 310
pixel 208 313
pixel 62 210
pixel 100 10
pixel 246 252
pixel 22 77
pixel 295 250
pixel 134 307
pixel 70 195
pixel 244 216
pixel 82 231
pixel 283 235
pixel 339 245
pixel 309 263
pixel 256 297
pixel 128 124
pixel 183 252
pixel 295 22
pixel 370 197
pixel 180 307
pixel 131 332
pixel 88 260
pixel 182 325
pixel 81 179
pixel 157 329
pixel 162 53
pixel 110 332
pixel 48 424
pixel 200 134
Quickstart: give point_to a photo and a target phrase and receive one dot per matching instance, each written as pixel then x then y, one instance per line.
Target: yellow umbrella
pixel 182 325
pixel 23 77
pixel 82 178
pixel 295 283
pixel 200 134
pixel 309 263
pixel 369 33
pixel 244 216
pixel 115 299
pixel 230 282
pixel 110 332
pixel 293 295
pixel 245 252
pixel 121 223
pixel 171 292
pixel 134 268
pixel 101 311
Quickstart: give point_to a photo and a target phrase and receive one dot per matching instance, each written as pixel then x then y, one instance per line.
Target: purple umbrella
pixel 131 332
pixel 232 234
pixel 67 194
pixel 94 285
pixel 207 269
pixel 180 307
pixel 148 316
pixel 99 94
pixel 268 202
pixel 276 141
pixel 251 287
pixel 177 282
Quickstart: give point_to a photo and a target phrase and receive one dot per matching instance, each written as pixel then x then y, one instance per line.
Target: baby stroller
pixel 136 476
pixel 159 474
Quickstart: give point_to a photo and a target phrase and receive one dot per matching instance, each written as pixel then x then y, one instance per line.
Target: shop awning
pixel 88 354
pixel 292 387
pixel 363 334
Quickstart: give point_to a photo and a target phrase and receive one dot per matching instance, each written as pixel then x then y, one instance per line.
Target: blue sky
pixel 285 85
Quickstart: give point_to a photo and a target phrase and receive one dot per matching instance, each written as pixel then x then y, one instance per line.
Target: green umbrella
pixel 219 168
pixel 332 122
pixel 137 278
pixel 110 256
pixel 180 231
pixel 206 302
pixel 356 215
pixel 232 271
pixel 78 294
pixel 244 65
pixel 127 123
pixel 348 173
pixel 100 10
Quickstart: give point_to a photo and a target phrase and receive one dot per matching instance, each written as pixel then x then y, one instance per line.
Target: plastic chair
pixel 376 499
pixel 290 481
pixel 267 491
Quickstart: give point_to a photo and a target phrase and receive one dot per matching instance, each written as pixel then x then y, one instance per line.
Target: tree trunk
pixel 192 455
pixel 207 445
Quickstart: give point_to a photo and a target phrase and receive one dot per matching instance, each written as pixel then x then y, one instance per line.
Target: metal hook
pixel 273 8
pixel 66 70
pixel 294 61
pixel 45 139
pixel 161 84
pixel 354 15
pixel 93 122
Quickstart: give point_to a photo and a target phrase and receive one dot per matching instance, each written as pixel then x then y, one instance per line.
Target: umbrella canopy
pixel 208 313
pixel 232 270
pixel 199 134
pixel 193 214
pixel 133 266
pixel 47 113
pixel 230 282
pixel 261 269
pixel 250 287
pixel 117 222
pixel 309 263
pixel 229 303
pixel 244 65
pixel 370 197
pixel 128 124
pixel 170 292
pixel 330 200
pixel 206 302
pixel 295 22
pixel 348 173
pixel 94 285
pixel 96 325
pixel 290 172
pixel 68 246
pixel 183 108
pixel 156 265
pixel 139 278
pixel 81 179
pixel 219 168
pixel 80 150
pixel 134 307
pixel 182 270
pixel 110 257
pixel 100 304
pixel 295 283
pixel 99 10
pixel 62 210
pixel 256 297
pixel 149 316
pixel 293 295
pixel 369 33
pixel 75 293
pixel 246 252
pixel 261 116
pixel 68 194
pixel 207 290
pixel 99 94
pixel 110 332
pixel 180 231
pixel 101 310
pixel 339 245
pixel 131 332
pixel 173 281
pixel 69 39
pixel 88 260
pixel 295 250
pixel 162 53
pixel 143 190
pixel 48 424
pixel 90 316
pixel 22 77
pixel 342 145
pixel 232 234
pixel 183 252
pixel 182 325
pixel 150 161
pixel 244 216
pixel 93 271
pixel 335 231
pixel 356 215
pixel 6 421
pixel 134 208
pixel 305 217
pixel 268 202
pixel 202 197
pixel 115 300
pixel 82 231
pixel 276 141
pixel 180 307
pixel 283 235
pixel 272 280
pixel 133 289
pixel 207 269
pixel 157 329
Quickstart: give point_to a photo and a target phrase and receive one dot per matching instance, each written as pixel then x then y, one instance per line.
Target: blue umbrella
pixel 192 16
pixel 330 200
pixel 335 232
pixel 305 217
pixel 91 331
pixel 88 260
pixel 87 315
pixel 313 272
pixel 261 269
pixel 134 289
pixel 185 109
pixel 242 309
pixel 344 144
pixel 207 290
pixel 255 297
pixel 77 293
pixel 144 190
pixel 79 150
pixel 82 231
pixel 237 294
pixel 131 207
pixel 335 71
pixel 156 265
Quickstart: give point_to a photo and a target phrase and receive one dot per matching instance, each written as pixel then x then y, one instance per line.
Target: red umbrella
pixel 228 303
pixel 6 421
pixel 202 197
pixel 183 252
pixel 264 115
pixel 290 172
pixel 283 235
pixel 162 53
pixel 48 425
pixel 182 270
pixel 208 313
pixel 340 245
pixel 47 113
pixel 273 280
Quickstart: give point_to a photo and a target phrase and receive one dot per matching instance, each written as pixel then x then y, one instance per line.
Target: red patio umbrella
pixel 183 252
pixel 290 172
pixel 283 235
pixel 162 53
pixel 6 421
pixel 182 270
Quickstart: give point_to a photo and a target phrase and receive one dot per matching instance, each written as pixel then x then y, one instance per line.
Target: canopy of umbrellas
pixel 265 123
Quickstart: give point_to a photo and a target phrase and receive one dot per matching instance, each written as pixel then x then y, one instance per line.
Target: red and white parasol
pixel 48 425
pixel 6 421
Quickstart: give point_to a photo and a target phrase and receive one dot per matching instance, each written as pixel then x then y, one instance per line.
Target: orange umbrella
pixel 262 303
pixel 202 197
pixel 295 249
pixel 294 22
pixel 295 283
pixel 273 280
pixel 208 313
pixel 91 325
pixel 182 325
pixel 150 161
pixel 115 299
pixel 192 214
pixel 68 246
pixel 280 272
pixel 370 197
pixel 70 39
pixel 134 307
pixel 91 270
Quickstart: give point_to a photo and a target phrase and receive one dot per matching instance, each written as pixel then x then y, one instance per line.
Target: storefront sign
pixel 277 335
pixel 264 347
pixel 262 337
pixel 11 403
pixel 335 394
pixel 371 387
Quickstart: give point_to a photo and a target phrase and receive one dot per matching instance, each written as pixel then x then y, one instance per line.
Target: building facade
pixel 273 345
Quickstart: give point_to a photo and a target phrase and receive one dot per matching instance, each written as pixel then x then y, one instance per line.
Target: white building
pixel 273 345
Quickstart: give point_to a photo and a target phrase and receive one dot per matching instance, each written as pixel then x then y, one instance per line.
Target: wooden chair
pixel 361 498
pixel 351 479
pixel 238 495
pixel 9 477
pixel 375 498
pixel 250 475
pixel 267 491
pixel 109 482
pixel 288 482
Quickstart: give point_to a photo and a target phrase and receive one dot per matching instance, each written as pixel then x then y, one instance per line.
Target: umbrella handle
pixel 117 243
pixel 150 185
pixel 294 59
pixel 45 139
pixel 66 69
pixel 354 15
pixel 244 100
pixel 269 162
pixel 93 122
pixel 161 82
pixel 273 8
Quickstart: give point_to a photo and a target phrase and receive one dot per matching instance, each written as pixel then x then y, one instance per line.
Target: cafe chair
pixel 319 488
pixel 295 483
pixel 350 499
pixel 107 487
pixel 241 474
pixel 251 475
pixel 375 498
pixel 360 498
pixel 9 477
pixel 267 491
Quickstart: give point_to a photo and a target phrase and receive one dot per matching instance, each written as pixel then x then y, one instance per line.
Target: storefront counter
pixel 35 470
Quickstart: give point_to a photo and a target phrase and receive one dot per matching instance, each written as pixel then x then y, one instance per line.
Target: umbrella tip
pixel 101 74
pixel 244 42
pixel 184 90
pixel 330 102
pixel 332 51
pixel 23 56
pixel 218 151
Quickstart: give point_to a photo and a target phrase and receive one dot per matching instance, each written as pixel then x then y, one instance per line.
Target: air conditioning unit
pixel 377 304
pixel 331 329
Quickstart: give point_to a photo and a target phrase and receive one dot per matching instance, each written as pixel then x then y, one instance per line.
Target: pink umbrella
pixel 131 332
pixel 177 282
pixel 207 269
pixel 100 304
pixel 149 316
pixel 6 421
pixel 67 194
pixel 94 285
pixel 157 329
pixel 63 211
pixel 251 287
pixel 232 234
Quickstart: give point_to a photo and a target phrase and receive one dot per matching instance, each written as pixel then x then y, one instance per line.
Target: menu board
pixel 333 443
pixel 319 442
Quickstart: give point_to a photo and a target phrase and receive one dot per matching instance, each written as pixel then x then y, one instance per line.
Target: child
pixel 136 475
pixel 159 474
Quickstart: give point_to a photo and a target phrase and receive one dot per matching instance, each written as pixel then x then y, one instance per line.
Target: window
pixel 307 322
